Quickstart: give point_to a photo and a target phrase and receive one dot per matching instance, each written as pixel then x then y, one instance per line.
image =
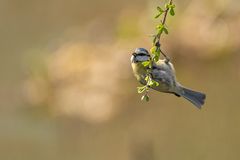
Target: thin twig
pixel 166 57
pixel 164 19
pixel 166 13
pixel 159 35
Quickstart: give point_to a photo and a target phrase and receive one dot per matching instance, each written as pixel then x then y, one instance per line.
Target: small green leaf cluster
pixel 160 10
pixel 155 51
pixel 149 83
pixel 146 63
pixel 161 28
pixel 145 98
pixel 171 8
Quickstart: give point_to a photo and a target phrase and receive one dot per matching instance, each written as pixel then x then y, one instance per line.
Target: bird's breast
pixel 139 72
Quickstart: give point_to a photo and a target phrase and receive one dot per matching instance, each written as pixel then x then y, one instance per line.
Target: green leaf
pixel 150 65
pixel 147 78
pixel 161 28
pixel 145 97
pixel 155 83
pixel 151 83
pixel 165 30
pixel 172 12
pixel 160 31
pixel 146 63
pixel 153 49
pixel 157 52
pixel 141 89
pixel 158 15
pixel 172 5
pixel 160 9
pixel 166 6
pixel 156 58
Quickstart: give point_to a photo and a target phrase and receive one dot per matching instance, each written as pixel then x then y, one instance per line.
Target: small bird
pixel 163 72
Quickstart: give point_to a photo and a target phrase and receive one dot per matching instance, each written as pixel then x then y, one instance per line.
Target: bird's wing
pixel 161 76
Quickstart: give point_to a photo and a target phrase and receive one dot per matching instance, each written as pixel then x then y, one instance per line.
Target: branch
pixel 165 15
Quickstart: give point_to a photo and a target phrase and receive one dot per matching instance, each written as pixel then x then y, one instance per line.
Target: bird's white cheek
pixel 132 57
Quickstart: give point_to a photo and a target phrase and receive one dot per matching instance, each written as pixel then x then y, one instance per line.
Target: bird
pixel 163 73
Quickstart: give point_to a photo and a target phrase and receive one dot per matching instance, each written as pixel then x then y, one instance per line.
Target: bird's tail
pixel 196 98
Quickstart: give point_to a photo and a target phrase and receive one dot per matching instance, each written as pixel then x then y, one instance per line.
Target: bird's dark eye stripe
pixel 143 54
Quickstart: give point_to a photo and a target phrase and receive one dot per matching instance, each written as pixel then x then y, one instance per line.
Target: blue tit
pixel 163 72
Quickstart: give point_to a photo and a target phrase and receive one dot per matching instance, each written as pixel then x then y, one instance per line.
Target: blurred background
pixel 68 92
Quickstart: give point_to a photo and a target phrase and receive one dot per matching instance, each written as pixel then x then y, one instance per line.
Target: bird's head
pixel 140 55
